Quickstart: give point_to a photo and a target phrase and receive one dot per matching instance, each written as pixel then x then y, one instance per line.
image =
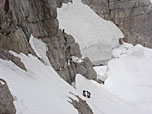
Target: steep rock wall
pixel 133 17
pixel 21 18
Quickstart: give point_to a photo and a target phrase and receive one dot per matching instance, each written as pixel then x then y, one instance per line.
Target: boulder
pixel 6 99
pixel 8 56
pixel 81 106
pixel 85 68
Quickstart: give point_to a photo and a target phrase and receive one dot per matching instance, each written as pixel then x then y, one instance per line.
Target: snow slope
pixel 134 74
pixel 40 49
pixel 95 35
pixel 128 89
pixel 39 90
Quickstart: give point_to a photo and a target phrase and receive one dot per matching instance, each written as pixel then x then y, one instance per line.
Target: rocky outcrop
pixel 6 99
pixel 21 18
pixel 61 49
pixel 8 56
pixel 133 17
pixel 81 106
pixel 12 37
pixel 60 2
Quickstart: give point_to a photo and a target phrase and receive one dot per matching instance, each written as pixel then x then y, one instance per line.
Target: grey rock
pixel 81 106
pixel 6 99
pixel 64 73
pixel 11 37
pixel 86 69
pixel 72 72
pixel 60 50
pixel 75 50
pixel 81 69
pixel 133 17
pixel 59 2
pixel 15 41
pixel 7 56
pixel 22 18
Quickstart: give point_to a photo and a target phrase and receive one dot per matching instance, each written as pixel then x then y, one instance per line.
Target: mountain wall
pixel 19 19
pixel 133 17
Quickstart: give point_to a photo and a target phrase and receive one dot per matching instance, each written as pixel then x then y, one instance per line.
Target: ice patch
pixel 40 49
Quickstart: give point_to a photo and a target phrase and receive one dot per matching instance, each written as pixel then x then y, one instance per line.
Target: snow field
pixel 39 90
pixel 95 35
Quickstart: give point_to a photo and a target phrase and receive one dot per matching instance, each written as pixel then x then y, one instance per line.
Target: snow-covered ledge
pixel 2 82
pixel 40 49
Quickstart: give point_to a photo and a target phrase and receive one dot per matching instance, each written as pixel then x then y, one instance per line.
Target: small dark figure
pixel 88 94
pixel 84 93
pixel 103 82
pixel 63 31
pixel 71 61
pixel 65 39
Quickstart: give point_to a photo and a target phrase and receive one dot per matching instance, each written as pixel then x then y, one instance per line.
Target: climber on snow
pixel 86 94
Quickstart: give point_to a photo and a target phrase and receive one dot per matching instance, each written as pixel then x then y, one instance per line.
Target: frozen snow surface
pixel 40 49
pixel 127 90
pixel 132 73
pixel 95 35
pixel 39 90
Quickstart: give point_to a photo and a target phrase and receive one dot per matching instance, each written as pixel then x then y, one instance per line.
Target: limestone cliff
pixel 19 19
pixel 133 17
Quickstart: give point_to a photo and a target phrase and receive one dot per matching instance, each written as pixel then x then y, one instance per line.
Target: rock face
pixel 81 106
pixel 59 2
pixel 12 37
pixel 21 18
pixel 133 17
pixel 6 99
pixel 61 48
pixel 7 56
